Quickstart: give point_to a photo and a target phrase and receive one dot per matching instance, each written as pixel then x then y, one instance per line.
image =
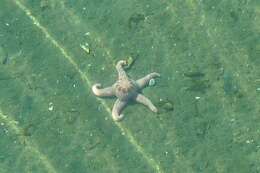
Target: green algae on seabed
pixel 210 122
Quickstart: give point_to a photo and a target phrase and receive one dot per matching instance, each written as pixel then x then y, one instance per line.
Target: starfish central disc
pixel 126 90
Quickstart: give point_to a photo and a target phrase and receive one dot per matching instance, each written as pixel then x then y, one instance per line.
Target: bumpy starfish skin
pixel 126 90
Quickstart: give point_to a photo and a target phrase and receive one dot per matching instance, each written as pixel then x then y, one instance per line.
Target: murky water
pixel 52 52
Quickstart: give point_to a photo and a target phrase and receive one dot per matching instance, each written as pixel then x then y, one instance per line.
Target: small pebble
pixel 85 48
pixel 87 33
pixel 249 141
pixel 50 106
pixel 232 120
pixel 197 98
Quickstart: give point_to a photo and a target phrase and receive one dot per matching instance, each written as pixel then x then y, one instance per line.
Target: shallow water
pixel 53 51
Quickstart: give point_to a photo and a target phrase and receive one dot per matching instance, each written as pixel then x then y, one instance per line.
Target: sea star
pixel 126 90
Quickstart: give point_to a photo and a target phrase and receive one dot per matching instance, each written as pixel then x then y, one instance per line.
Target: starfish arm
pixel 143 82
pixel 117 109
pixel 120 69
pixel 145 101
pixel 102 92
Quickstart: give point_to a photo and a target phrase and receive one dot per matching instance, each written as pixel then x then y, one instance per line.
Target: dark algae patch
pixel 197 81
pixel 230 86
pixel 165 105
pixel 3 56
pixel 135 20
pixel 27 130
pixel 194 74
pixel 206 51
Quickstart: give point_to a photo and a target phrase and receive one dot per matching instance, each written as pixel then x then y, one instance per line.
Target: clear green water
pixel 207 52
